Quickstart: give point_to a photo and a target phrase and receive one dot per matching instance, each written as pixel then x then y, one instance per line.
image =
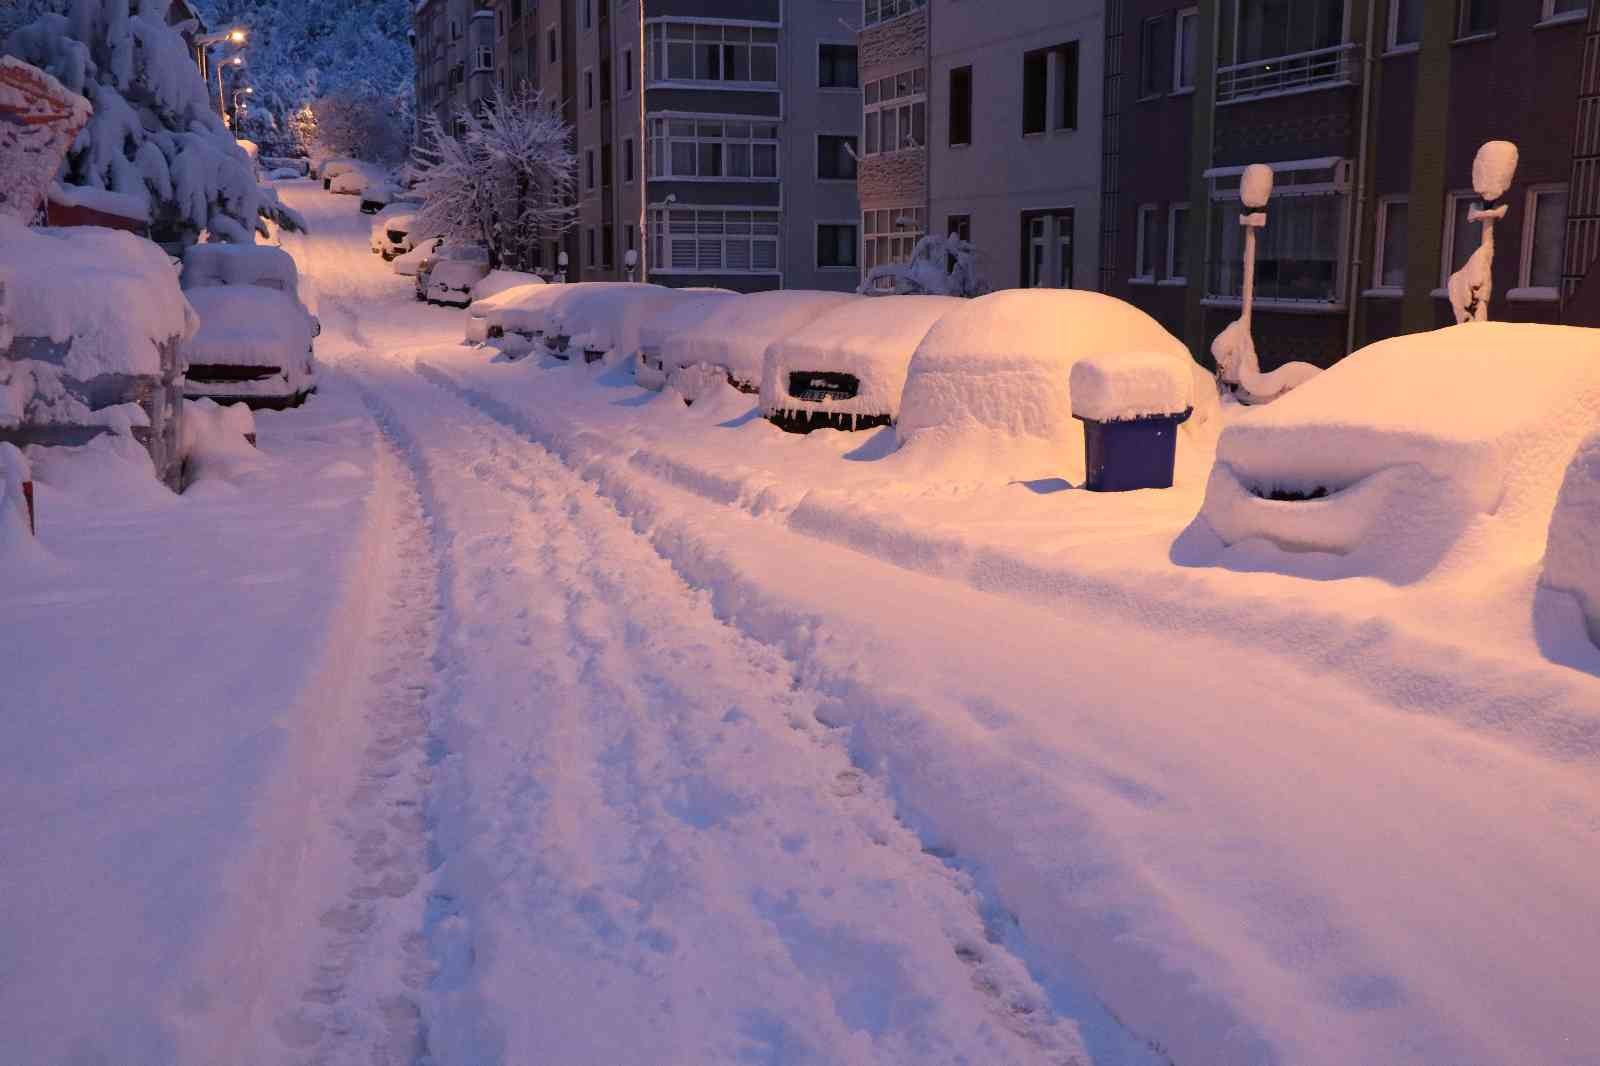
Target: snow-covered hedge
pixel 1572 554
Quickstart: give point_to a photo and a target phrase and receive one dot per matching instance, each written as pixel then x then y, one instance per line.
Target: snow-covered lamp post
pixel 561 268
pixel 1470 287
pixel 235 36
pixel 1255 189
pixel 630 262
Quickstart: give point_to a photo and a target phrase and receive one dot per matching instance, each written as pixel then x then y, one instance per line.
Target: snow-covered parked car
pixel 378 194
pixel 448 272
pixel 350 183
pixel 254 345
pixel 329 169
pixel 991 380
pixel 691 308
pixel 92 333
pixel 846 368
pixel 1387 461
pixel 735 334
pixel 299 165
pixel 408 263
pixel 490 294
pixel 514 319
pixel 1572 552
pixel 598 318
pixel 391 234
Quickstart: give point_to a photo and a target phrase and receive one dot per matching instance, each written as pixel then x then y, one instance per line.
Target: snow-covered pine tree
pixel 153 134
pixel 509 179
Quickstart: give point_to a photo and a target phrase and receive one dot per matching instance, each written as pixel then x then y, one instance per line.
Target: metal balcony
pixel 1281 75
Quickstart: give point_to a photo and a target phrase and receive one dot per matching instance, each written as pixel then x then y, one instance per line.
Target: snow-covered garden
pixel 613 673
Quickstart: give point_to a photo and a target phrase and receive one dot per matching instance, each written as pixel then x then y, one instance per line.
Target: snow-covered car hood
pixel 245 325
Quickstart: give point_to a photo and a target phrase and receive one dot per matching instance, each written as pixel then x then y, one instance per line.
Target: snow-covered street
pixel 527 736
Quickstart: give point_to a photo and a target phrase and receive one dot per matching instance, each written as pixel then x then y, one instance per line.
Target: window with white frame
pixel 1269 29
pixel 876 11
pixel 895 112
pixel 1560 9
pixel 1389 258
pixel 1460 234
pixel 690 51
pixel 1178 242
pixel 889 234
pixel 706 148
pixel 1298 252
pixel 485 59
pixel 1184 49
pixel 1144 257
pixel 693 240
pixel 1047 249
pixel 1543 230
pixel 1405 24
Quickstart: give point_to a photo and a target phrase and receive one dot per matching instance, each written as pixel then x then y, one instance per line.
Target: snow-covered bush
pixel 508 181
pixel 153 133
pixel 939 266
pixel 1572 554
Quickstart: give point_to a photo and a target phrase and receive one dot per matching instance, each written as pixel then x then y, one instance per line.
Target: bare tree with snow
pixel 508 179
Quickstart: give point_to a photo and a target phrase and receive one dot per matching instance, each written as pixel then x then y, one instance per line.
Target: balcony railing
pixel 1299 72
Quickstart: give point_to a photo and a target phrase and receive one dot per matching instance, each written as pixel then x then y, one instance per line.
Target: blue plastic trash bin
pixel 1136 453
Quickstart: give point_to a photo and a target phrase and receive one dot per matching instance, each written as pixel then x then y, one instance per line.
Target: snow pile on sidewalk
pixel 216 442
pixel 735 334
pixel 870 339
pixel 1572 555
pixel 14 470
pixel 1118 388
pixel 1393 455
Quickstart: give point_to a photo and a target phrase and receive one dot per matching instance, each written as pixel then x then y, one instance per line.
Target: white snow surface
pixel 408 264
pixel 115 296
pixel 239 264
pixel 1416 441
pixel 1255 185
pixel 872 339
pixel 1572 553
pixel 1127 385
pixel 606 316
pixel 735 334
pixel 246 325
pixel 1493 167
pixel 498 281
pixel 351 182
pixel 121 205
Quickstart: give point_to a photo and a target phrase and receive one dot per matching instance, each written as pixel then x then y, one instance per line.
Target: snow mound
pixel 1116 388
pixel 1396 451
pixel 351 183
pixel 1572 553
pixel 606 316
pixel 997 371
pixel 113 295
pixel 216 447
pixel 519 310
pixel 735 334
pixel 408 264
pixel 136 208
pixel 246 325
pixel 14 533
pixel 498 281
pixel 691 308
pixel 111 470
pixel 870 339
pixel 240 264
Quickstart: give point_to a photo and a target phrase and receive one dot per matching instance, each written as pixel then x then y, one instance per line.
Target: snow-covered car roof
pixel 735 333
pixel 606 316
pixel 687 312
pixel 999 365
pixel 1402 445
pixel 498 281
pixel 459 275
pixel 870 339
pixel 351 182
pixel 332 168
pixel 115 296
pixel 411 262
pixel 521 308
pixel 462 251
pixel 244 325
pixel 398 221
pixel 239 264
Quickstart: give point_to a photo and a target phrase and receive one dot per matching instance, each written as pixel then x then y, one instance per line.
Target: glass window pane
pixel 738 160
pixel 680 60
pixel 764 161
pixel 1407 22
pixel 763 63
pixel 711 159
pixel 1395 230
pixel 1466 233
pixel 1549 225
pixel 683 158
pixel 1178 240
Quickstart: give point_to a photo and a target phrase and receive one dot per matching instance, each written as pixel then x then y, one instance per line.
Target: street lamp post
pixel 235 36
pixel 562 261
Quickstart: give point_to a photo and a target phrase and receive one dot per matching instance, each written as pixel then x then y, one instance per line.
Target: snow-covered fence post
pixel 1471 287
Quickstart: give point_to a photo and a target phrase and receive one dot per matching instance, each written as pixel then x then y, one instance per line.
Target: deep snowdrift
pixel 1572 556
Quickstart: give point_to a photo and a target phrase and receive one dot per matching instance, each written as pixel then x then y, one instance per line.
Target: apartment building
pixel 984 121
pixel 1370 112
pixel 715 138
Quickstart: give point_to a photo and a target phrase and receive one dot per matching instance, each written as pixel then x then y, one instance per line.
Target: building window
pixel 1405 24
pixel 588 20
pixel 1047 249
pixel 1389 266
pixel 608 255
pixel 687 148
pixel 1050 89
pixel 1178 242
pixel 588 169
pixel 627 72
pixel 959 226
pixel 629 234
pixel 1555 9
pixel 700 240
pixel 1144 257
pixel 836 157
pixel 1297 252
pixel 605 166
pixel 1543 229
pixel 588 90
pixel 605 81
pixel 1269 29
pixel 1185 47
pixel 895 112
pixel 836 246
pixel 836 66
pixel 485 59
pixel 627 161
pixel 593 259
pixel 687 51
pixel 960 106
pixel 1476 18
pixel 889 234
pixel 1460 235
pixel 550 38
pixel 876 11
pixel 455 30
pixel 1154 65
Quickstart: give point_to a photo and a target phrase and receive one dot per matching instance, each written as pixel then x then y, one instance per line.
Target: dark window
pixel 628 229
pixel 1066 116
pixel 1477 16
pixel 627 159
pixel 1154 63
pixel 836 66
pixel 605 81
pixel 605 165
pixel 589 161
pixel 836 159
pixel 588 14
pixel 959 226
pixel 961 106
pixel 607 243
pixel 627 71
pixel 592 257
pixel 551 38
pixel 588 89
pixel 836 246
pixel 1035 91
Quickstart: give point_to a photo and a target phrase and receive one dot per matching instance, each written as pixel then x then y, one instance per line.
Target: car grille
pixel 823 386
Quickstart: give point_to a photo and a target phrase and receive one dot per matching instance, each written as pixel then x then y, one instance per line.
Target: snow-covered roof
pixel 872 339
pixel 1000 365
pixel 115 296
pixel 245 325
pixel 239 264
pixel 606 316
pixel 735 333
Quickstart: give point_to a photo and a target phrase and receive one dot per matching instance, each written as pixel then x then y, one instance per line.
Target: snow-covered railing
pixel 1286 74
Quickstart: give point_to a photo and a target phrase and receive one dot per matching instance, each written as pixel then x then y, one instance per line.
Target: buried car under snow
pixel 447 272
pixel 691 308
pixel 600 317
pixel 847 368
pixel 732 338
pixel 391 235
pixel 1385 462
pixel 254 345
